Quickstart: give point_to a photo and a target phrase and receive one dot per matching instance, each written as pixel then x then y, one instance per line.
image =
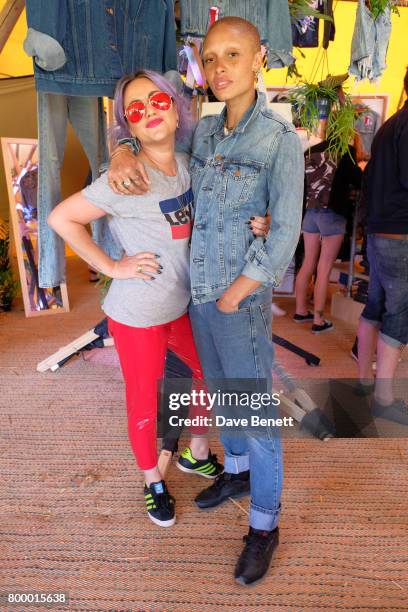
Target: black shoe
pixel 225 485
pixel 397 411
pixel 254 561
pixel 307 318
pixel 324 327
pixel 160 504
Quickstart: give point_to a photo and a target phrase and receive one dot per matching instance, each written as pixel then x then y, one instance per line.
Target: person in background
pixel 240 164
pixel 327 197
pixel 383 324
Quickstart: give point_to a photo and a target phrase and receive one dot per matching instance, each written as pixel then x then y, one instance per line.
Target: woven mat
pixel 72 514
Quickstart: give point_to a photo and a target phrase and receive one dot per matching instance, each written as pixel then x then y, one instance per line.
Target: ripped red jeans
pixel 142 353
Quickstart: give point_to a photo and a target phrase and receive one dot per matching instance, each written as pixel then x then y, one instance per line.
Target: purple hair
pixel 121 129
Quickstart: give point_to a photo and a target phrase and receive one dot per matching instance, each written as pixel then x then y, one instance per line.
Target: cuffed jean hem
pixel 234 464
pixel 391 341
pixel 263 518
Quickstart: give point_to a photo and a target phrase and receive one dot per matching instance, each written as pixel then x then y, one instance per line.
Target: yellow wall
pixel 13 60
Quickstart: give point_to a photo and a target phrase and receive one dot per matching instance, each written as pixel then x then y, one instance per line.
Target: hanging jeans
pixel 86 115
pixel 370 43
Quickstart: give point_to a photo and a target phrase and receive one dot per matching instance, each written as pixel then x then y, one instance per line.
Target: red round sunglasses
pixel 160 100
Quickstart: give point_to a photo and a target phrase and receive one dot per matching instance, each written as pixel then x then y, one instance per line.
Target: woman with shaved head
pixel 245 162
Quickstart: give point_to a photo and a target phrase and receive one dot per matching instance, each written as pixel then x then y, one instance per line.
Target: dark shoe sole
pixel 306 320
pixel 218 503
pixel 191 471
pixel 323 330
pixel 240 580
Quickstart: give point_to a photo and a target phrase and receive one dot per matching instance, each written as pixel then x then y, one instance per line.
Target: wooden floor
pixel 72 512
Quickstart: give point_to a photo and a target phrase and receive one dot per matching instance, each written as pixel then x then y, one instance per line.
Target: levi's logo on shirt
pixel 177 212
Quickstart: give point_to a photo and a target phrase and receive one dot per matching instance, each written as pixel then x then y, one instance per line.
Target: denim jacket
pixel 82 47
pixel 259 165
pixel 271 17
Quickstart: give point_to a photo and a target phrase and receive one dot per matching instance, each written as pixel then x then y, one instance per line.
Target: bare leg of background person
pixel 367 342
pixel 328 254
pixel 387 361
pixel 312 248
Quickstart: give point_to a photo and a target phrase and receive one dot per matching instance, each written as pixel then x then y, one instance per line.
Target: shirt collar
pixel 252 112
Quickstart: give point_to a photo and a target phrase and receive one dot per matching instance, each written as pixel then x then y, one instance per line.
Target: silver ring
pixel 126 183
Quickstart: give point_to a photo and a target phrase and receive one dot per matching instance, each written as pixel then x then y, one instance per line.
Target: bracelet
pixel 120 150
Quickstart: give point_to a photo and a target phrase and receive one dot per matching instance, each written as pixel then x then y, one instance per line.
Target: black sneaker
pixel 397 411
pixel 225 485
pixel 324 327
pixel 254 561
pixel 307 318
pixel 209 468
pixel 160 504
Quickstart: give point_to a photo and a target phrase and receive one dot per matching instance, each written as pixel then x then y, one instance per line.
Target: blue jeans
pixel 87 118
pixel 370 43
pixel 239 346
pixel 387 303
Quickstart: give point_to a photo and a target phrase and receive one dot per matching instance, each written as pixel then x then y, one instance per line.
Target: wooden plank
pixel 8 19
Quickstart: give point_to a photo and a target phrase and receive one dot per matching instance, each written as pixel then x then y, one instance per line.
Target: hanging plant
pixel 8 286
pixel 327 99
pixel 378 7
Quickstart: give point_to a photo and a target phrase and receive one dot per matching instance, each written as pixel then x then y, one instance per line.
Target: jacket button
pixel 113 47
pixel 218 157
pixel 196 260
pixel 109 11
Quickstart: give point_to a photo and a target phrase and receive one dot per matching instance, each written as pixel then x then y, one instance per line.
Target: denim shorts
pixel 323 221
pixel 387 303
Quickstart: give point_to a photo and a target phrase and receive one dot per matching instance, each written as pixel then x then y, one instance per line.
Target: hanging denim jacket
pixel 271 17
pixel 370 43
pixel 259 165
pixel 82 47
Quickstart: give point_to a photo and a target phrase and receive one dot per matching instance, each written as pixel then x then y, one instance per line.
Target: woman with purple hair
pixel 148 299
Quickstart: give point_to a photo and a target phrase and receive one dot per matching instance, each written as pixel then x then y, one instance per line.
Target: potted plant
pixel 8 286
pixel 325 108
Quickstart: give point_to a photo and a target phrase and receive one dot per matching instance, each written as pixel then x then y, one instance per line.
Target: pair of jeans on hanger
pixel 86 116
pixel 370 43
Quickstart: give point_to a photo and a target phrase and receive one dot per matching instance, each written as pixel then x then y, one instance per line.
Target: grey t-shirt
pixel 157 222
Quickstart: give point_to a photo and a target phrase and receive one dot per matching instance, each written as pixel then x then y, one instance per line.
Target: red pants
pixel 142 353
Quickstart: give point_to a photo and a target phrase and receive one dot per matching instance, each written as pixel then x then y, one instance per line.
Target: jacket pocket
pixel 242 180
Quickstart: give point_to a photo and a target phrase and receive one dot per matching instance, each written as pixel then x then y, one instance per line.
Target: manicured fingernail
pixel 156 255
pixel 160 267
pixel 247 223
pixel 252 218
pixel 159 271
